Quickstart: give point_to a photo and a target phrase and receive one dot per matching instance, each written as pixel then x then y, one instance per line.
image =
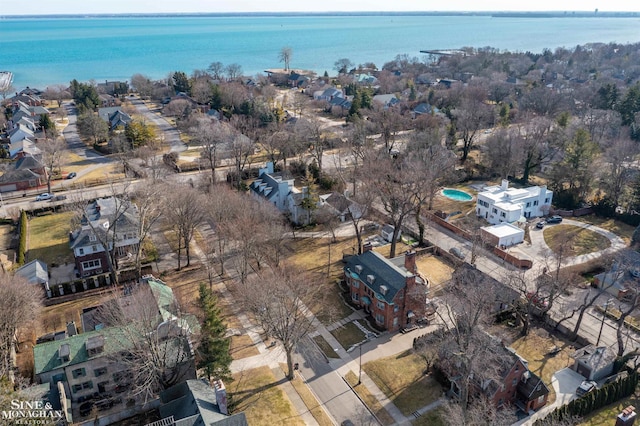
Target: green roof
pixel 46 356
pixel 164 297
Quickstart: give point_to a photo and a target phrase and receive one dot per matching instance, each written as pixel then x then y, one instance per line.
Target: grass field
pixel 49 238
pixel 256 392
pixel 312 254
pixel 534 349
pixel 575 240
pixel 432 418
pixel 621 229
pixel 325 347
pixel 401 379
pixel 348 335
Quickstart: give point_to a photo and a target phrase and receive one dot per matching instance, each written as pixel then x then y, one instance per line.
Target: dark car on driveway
pixel 554 219
pixel 541 224
pixel 71 175
pixel 586 387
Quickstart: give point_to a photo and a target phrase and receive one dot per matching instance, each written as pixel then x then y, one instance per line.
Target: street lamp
pixel 360 365
pixel 606 306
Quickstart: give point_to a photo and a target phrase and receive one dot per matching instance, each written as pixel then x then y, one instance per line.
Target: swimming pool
pixel 456 194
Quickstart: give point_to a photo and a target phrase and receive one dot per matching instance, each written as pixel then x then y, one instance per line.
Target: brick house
pixel 513 383
pixel 390 290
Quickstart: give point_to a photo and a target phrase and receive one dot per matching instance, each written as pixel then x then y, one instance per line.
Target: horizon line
pixel 567 13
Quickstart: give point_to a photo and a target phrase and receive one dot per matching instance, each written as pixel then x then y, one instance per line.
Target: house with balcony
pixel 109 221
pixel 497 204
pixel 96 365
pixel 391 291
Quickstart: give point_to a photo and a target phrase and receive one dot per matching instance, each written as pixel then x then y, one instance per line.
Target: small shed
pixel 387 233
pixel 502 235
pixel 594 363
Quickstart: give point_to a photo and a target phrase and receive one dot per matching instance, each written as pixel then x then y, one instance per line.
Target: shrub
pixel 22 244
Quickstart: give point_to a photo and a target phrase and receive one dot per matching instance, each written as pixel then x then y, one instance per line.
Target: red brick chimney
pixel 627 417
pixel 410 261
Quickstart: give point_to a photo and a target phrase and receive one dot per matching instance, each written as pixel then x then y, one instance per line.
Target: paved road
pixel 169 132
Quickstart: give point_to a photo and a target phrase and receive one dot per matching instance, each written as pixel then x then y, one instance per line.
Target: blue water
pixel 457 195
pixel 50 51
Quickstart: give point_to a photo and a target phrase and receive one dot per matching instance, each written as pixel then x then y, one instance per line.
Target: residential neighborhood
pixel 382 246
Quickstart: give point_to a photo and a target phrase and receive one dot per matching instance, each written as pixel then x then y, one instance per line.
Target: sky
pixel 45 7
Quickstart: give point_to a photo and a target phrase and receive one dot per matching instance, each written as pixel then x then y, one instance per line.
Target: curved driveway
pixel 539 250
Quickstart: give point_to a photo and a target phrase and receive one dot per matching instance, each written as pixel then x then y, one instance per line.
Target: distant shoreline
pixel 493 14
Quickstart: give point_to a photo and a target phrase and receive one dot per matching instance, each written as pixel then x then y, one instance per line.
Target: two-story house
pixel 390 290
pixel 106 221
pixel 498 204
pixel 93 365
pixel 509 383
pixel 282 193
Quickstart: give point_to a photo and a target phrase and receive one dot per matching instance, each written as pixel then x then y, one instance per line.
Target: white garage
pixel 503 234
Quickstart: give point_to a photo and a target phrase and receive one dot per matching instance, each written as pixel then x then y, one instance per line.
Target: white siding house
pixel 498 204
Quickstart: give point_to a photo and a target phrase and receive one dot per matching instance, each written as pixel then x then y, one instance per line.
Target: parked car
pixel 554 219
pixel 586 387
pixel 538 300
pixel 43 197
pixel 59 198
pixel 541 224
pixel 72 175
pixel 456 252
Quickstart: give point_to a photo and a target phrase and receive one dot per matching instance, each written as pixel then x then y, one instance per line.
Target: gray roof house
pixel 328 94
pixel 342 206
pixel 386 100
pixel 114 116
pixel 282 193
pixel 594 363
pixel 195 403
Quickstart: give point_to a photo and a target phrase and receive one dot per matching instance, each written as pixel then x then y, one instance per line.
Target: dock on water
pixel 6 78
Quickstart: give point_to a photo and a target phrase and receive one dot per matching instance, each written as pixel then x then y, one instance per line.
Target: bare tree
pixel 53 154
pixel 212 137
pixel 146 199
pixel 184 211
pixel 470 117
pixel 619 158
pixel 20 305
pixel 463 345
pixel 310 130
pixel 278 301
pixel 233 71
pixel 142 84
pixel 154 336
pixel 216 69
pixel 285 56
pixel 396 183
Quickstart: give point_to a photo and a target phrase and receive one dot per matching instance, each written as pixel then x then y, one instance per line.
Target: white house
pixel 499 204
pixel 280 192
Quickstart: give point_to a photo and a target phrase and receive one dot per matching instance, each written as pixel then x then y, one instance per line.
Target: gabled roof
pixel 383 271
pixel 29 163
pixel 532 388
pixel 102 213
pixel 23 175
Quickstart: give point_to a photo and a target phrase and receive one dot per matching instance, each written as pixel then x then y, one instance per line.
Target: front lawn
pixel 619 228
pixel 312 254
pixel 348 335
pixel 48 238
pixel 574 240
pixel 401 377
pixel 534 348
pixel 256 392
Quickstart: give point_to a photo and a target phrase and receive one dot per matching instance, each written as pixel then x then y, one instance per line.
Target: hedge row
pixel 22 245
pixel 592 401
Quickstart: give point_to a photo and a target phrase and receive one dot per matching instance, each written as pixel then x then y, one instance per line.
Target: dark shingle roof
pixel 384 273
pixel 533 388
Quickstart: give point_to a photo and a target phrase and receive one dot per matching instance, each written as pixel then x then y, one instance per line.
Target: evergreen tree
pixel 213 352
